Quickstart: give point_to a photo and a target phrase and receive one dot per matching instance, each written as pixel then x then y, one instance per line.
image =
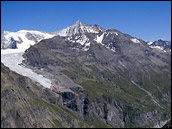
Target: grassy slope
pixel 118 86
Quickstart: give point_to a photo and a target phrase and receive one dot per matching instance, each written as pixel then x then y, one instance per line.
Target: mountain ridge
pixel 106 76
pixel 77 28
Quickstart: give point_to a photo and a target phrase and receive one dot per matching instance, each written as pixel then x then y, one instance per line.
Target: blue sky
pixel 147 20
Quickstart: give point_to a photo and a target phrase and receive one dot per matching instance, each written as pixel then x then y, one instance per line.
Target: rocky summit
pixel 84 76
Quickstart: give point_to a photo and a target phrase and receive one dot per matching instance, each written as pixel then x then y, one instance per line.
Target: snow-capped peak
pixel 161 44
pixel 78 27
pixel 21 40
pixel 79 23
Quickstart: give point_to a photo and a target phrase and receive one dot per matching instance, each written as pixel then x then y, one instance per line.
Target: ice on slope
pixel 12 58
pixel 13 61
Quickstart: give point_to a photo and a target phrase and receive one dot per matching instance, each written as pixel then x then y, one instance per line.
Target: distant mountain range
pixel 161 45
pixel 11 39
pixel 84 76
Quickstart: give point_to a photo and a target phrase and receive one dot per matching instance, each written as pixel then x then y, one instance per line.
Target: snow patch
pixel 157 47
pixel 99 38
pixel 149 43
pixel 110 47
pixel 70 39
pixel 135 40
pixel 122 64
pixel 82 40
pixel 116 33
pixel 87 46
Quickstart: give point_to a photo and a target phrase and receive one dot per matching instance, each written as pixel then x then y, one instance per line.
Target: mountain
pixel 22 39
pixel 25 104
pixel 161 45
pixel 25 38
pixel 78 27
pixel 106 77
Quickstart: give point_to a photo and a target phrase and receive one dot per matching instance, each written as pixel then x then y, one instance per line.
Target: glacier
pixel 13 61
pixel 13 58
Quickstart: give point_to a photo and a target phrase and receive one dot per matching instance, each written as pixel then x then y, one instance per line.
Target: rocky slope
pixel 25 104
pixel 105 77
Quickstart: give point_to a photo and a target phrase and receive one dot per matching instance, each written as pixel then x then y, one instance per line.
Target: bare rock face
pixel 34 37
pixel 12 45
